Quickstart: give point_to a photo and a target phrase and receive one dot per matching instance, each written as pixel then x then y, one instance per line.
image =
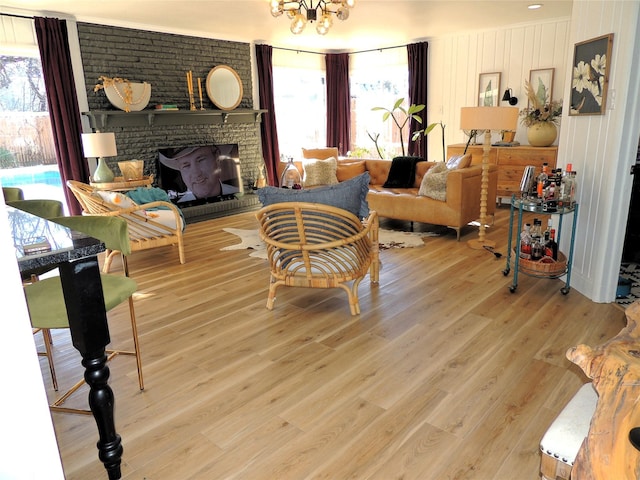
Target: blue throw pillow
pixel 350 195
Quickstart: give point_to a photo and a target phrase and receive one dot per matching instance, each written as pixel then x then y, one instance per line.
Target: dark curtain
pixel 338 102
pixel 63 103
pixel 270 149
pixel 417 63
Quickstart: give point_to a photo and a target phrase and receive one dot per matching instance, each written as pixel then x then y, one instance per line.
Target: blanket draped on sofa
pixel 403 172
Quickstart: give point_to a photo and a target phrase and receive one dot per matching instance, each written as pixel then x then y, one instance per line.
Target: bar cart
pixel 519 207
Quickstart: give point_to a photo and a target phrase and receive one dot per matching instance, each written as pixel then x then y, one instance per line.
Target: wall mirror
pixel 224 87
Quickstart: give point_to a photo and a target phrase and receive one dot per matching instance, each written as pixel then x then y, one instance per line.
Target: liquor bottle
pixel 565 187
pixel 541 181
pixel 572 189
pixel 525 242
pixel 537 249
pixel 551 246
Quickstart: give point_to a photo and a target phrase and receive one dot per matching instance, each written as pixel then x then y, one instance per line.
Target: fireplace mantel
pixel 101 119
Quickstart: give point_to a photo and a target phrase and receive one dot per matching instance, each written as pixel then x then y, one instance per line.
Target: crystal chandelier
pixel 302 11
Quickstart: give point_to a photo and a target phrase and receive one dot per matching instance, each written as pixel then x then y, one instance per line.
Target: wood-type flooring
pixel 444 375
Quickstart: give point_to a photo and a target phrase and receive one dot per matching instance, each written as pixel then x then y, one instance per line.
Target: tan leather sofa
pixel 461 207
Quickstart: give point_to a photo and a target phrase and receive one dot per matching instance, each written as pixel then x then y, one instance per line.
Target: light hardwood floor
pixel 444 375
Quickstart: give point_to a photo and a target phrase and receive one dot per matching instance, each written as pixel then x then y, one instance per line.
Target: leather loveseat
pixel 461 206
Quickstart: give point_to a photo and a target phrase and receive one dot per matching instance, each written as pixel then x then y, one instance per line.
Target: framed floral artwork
pixel 489 89
pixel 541 82
pixel 590 79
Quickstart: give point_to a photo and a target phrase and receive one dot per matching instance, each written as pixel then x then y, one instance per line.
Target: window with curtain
pixel 27 151
pixel 300 99
pixel 378 79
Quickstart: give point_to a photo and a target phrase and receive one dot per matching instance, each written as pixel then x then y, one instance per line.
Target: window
pixel 377 79
pixel 301 112
pixel 27 151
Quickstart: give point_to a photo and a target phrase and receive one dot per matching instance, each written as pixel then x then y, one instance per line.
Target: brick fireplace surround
pixel 162 60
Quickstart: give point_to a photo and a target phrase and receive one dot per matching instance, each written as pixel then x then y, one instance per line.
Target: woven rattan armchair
pixel 319 246
pixel 148 227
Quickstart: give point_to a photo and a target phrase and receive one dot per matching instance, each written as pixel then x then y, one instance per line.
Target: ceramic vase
pixel 542 134
pixel 103 173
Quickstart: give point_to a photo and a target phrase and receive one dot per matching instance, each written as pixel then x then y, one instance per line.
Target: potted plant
pixel 401 117
pixel 540 118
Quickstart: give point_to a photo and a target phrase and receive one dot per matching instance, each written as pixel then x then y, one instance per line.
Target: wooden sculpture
pixel 614 367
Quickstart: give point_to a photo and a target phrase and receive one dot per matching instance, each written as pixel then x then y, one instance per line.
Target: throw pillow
pixel 457 162
pixel 350 195
pixel 117 198
pixel 434 182
pixel 350 169
pixel 319 172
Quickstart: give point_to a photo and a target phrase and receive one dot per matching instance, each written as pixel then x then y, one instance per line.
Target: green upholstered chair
pixel 12 193
pixel 44 208
pixel 46 301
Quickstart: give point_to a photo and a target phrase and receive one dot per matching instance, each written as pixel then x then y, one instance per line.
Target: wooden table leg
pixel 90 335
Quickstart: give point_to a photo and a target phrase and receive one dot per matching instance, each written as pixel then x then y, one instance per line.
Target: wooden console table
pixel 511 162
pixel 607 453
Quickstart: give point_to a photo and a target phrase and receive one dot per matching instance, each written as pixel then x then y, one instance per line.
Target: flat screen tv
pixel 198 174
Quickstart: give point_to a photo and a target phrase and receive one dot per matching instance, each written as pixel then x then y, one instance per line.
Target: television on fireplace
pixel 198 174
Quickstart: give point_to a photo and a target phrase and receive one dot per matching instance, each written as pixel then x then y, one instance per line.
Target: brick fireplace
pixel 162 60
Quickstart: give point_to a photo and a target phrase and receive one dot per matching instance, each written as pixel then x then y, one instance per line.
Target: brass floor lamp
pixel 487 119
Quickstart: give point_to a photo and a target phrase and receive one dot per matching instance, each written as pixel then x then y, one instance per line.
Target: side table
pixel 120 184
pixel 518 207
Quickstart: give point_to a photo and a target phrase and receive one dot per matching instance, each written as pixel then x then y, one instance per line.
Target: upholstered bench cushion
pixel 564 437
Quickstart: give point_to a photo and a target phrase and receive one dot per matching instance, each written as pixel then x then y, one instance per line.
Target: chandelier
pixel 321 11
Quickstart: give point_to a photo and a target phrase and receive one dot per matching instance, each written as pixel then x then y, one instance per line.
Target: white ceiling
pixel 372 24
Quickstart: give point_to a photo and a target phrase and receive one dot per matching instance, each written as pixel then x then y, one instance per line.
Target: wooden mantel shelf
pixel 100 119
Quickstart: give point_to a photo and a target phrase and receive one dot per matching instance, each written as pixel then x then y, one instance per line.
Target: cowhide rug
pixel 250 240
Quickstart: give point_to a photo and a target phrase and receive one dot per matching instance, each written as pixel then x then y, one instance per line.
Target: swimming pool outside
pixel 37 182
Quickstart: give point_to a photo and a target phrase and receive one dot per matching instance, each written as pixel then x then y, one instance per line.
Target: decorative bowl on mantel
pixel 128 96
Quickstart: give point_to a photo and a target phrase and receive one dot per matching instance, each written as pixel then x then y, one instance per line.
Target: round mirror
pixel 224 87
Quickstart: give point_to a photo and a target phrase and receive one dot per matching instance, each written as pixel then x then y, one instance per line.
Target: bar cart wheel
pixel 512 288
pixel 564 290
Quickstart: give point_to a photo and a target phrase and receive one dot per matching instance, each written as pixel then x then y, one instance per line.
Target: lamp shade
pixel 489 118
pixel 99 144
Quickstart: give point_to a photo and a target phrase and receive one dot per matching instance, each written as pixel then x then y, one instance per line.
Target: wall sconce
pixel 507 97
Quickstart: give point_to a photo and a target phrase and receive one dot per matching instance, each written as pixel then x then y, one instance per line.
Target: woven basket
pixel 543 269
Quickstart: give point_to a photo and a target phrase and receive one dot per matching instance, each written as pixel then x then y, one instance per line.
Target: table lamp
pixel 487 119
pixel 100 145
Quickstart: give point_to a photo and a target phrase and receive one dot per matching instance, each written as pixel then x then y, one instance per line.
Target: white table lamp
pixel 100 145
pixel 487 119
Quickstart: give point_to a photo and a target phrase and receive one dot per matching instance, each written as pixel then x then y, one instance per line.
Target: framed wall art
pixel 541 82
pixel 590 79
pixel 489 89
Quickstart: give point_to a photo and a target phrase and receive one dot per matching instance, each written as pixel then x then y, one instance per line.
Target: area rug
pixel 250 240
pixel 631 272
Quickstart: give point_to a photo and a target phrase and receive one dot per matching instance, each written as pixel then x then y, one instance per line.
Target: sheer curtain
pixel 270 150
pixel 417 54
pixel 338 102
pixel 63 104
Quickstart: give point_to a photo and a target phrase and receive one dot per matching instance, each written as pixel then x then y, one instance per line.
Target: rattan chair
pixel 47 309
pixel 319 246
pixel 145 230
